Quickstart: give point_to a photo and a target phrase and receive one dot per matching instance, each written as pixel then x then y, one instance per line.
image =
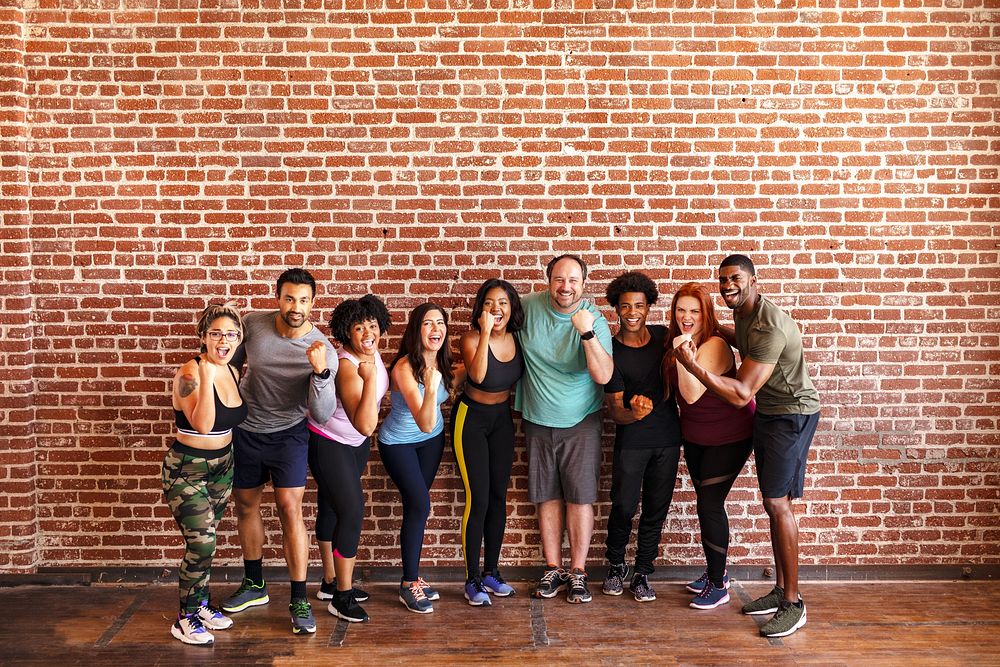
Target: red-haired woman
pixel 718 437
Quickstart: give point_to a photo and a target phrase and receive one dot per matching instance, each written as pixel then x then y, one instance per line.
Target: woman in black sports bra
pixel 197 470
pixel 483 432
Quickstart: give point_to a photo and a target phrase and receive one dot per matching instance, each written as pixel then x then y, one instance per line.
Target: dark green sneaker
pixel 767 604
pixel 790 617
pixel 247 595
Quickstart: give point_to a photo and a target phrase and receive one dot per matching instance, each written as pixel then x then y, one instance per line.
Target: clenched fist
pixel 317 356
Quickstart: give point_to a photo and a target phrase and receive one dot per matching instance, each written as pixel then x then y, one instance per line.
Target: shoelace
pixel 423 584
pixel 703 579
pixel 707 589
pixel 496 577
pixel 477 585
pixel 549 576
pixel 577 582
pixel 211 610
pixel 194 622
pixel 417 590
pixel 301 609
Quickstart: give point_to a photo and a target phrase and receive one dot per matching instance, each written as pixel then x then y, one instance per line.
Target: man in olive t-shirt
pixel 773 368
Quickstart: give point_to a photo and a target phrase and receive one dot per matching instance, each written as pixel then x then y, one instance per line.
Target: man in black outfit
pixel 647 438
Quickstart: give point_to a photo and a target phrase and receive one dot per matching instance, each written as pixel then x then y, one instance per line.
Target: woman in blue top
pixel 411 439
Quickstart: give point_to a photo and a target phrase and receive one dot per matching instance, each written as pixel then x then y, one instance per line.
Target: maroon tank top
pixel 710 421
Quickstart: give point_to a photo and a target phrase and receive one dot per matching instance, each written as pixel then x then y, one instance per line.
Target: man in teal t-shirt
pixel 567 361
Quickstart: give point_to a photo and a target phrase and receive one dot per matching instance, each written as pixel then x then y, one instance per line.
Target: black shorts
pixel 780 448
pixel 281 457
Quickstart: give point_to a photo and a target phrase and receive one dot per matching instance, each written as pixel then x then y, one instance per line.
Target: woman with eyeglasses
pixel 198 468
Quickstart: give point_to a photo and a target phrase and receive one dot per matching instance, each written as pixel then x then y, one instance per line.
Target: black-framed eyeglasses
pixel 231 336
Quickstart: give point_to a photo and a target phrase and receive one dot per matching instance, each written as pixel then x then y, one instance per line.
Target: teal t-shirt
pixel 556 389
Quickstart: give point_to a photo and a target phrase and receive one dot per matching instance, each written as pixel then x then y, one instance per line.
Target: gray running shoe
pixel 641 589
pixel 766 604
pixel 302 616
pixel 614 583
pixel 414 599
pixel 790 617
pixel 212 618
pixel 247 595
pixel 550 583
pixel 578 592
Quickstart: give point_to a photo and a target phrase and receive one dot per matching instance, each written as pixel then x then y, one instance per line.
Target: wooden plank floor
pixel 897 623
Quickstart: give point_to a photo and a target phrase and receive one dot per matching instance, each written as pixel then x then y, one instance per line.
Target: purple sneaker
pixel 495 584
pixel 710 597
pixel 698 584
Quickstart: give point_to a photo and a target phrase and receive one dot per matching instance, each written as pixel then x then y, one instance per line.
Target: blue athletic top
pixel 399 428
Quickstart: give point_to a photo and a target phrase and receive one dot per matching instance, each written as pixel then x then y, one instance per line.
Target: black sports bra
pixel 225 417
pixel 501 375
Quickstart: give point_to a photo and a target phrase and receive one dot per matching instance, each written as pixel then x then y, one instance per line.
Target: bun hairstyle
pixel 215 311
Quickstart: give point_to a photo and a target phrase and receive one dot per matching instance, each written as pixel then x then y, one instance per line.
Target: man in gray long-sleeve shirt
pixel 290 369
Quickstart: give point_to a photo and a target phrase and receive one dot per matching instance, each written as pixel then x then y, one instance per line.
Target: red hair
pixel 709 324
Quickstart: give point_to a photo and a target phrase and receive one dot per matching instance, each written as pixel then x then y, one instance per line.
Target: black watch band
pixel 325 375
pixel 588 335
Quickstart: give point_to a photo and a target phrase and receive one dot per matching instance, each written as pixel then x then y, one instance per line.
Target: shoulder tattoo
pixel 188 383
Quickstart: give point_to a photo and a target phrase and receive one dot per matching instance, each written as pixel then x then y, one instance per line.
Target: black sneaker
pixel 641 589
pixel 326 591
pixel 578 592
pixel 550 583
pixel 614 583
pixel 345 605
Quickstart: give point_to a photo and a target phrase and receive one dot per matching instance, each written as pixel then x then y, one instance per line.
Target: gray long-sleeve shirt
pixel 279 385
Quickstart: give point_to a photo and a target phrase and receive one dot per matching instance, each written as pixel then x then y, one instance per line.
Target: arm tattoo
pixel 188 385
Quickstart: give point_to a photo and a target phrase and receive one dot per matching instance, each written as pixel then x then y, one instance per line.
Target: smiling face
pixel 566 285
pixel 221 340
pixel 497 303
pixel 688 316
pixel 294 304
pixel 632 311
pixel 364 338
pixel 433 331
pixel 736 286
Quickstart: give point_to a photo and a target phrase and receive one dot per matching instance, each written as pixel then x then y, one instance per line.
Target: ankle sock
pixel 254 570
pixel 298 590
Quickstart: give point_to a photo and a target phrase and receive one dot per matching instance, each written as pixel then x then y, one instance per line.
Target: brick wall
pixel 183 151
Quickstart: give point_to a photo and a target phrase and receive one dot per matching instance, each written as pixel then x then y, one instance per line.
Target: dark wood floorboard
pixel 898 623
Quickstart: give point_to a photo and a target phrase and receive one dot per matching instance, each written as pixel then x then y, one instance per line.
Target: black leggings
pixel 653 474
pixel 412 468
pixel 713 472
pixel 483 437
pixel 337 469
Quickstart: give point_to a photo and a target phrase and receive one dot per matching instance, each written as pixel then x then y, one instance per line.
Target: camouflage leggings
pixel 197 490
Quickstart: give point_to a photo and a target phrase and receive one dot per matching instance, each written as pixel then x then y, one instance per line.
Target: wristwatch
pixel 325 375
pixel 588 335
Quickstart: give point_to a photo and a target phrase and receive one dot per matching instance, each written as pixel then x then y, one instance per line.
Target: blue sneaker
pixel 495 584
pixel 476 594
pixel 414 598
pixel 710 597
pixel 302 616
pixel 698 584
pixel 429 592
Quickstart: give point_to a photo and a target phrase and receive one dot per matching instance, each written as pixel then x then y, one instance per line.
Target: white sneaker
pixel 212 618
pixel 190 630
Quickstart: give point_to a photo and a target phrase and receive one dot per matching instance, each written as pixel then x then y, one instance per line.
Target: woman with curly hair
pixel 339 447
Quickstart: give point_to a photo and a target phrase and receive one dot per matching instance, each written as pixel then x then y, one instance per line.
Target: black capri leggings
pixel 337 469
pixel 713 471
pixel 483 436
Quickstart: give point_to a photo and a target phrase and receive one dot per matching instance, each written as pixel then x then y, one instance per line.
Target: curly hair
pixel 358 311
pixel 633 281
pixel 516 311
pixel 412 347
pixel 215 311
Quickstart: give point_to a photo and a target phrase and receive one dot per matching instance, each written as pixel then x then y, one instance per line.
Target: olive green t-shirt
pixel 769 336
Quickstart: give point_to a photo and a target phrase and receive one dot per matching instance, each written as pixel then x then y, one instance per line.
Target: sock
pixel 799 604
pixel 298 590
pixel 254 570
